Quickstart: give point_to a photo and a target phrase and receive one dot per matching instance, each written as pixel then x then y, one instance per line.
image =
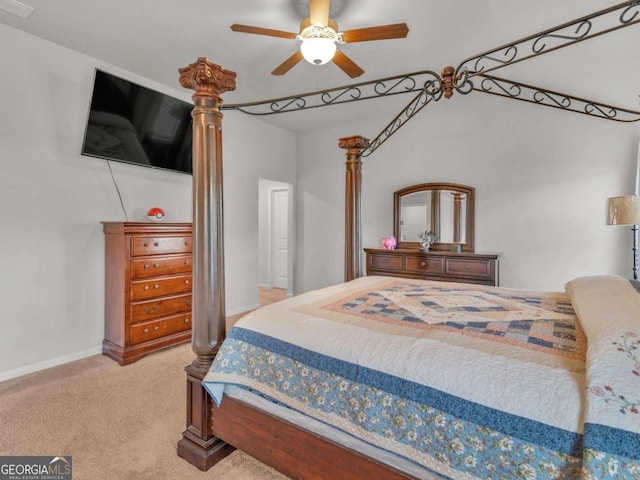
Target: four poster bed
pixel 389 378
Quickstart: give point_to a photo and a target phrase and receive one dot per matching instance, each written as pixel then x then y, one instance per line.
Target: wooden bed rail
pixel 198 444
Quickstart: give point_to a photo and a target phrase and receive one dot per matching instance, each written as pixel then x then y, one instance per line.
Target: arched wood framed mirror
pixel 446 209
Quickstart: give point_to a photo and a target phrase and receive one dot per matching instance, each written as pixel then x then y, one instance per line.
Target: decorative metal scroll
pixel 590 26
pixel 433 90
pixel 417 104
pixel 578 30
pixel 549 98
pixel 385 87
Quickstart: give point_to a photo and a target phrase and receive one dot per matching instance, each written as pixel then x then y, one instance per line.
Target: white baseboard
pixel 264 285
pixel 53 362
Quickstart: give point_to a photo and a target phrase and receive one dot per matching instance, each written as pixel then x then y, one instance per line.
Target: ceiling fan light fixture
pixel 318 50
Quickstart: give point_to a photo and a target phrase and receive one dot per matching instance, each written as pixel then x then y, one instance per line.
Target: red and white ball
pixel 155 214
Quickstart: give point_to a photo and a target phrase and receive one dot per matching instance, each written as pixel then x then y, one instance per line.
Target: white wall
pixel 542 177
pixel 269 154
pixel 53 200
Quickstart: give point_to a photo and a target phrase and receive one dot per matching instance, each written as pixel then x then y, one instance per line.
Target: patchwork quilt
pixel 469 382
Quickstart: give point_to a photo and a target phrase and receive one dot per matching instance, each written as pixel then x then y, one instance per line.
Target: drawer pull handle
pixel 185 242
pixel 386 260
pixel 423 264
pixel 146 330
pixel 146 244
pixel 156 286
pixel 146 287
pixel 467 267
pixel 155 244
pixel 156 265
pixel 186 320
pixel 187 302
pixel 186 282
pixel 156 328
pixel 186 262
pixel 146 265
pixel 153 309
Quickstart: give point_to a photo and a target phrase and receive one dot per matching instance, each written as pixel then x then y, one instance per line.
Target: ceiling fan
pixel 319 36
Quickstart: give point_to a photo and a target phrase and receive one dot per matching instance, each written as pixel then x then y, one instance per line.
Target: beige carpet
pixel 116 422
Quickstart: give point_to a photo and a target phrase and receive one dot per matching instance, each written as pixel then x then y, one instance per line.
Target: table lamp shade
pixel 623 210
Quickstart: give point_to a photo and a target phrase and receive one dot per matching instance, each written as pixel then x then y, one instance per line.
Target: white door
pixel 279 238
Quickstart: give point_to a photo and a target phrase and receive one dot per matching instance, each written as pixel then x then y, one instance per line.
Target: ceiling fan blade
pixel 263 31
pixel 319 12
pixel 347 65
pixel 288 64
pixel 383 32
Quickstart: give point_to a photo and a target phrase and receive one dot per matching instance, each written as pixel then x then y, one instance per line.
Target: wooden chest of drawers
pixel 468 267
pixel 147 288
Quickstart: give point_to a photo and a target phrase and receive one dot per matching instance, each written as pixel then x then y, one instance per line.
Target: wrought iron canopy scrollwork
pixel 584 28
pixel 434 89
pixel 384 87
pixel 472 75
pixel 550 98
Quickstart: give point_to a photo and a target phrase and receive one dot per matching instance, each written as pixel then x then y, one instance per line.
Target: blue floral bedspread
pixel 468 382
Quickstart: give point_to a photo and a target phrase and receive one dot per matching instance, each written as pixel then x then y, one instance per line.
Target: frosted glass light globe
pixel 317 50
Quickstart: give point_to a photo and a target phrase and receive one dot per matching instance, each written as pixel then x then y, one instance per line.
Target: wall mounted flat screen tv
pixel 133 124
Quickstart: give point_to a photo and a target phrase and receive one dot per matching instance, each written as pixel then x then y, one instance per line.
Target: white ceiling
pixel 154 38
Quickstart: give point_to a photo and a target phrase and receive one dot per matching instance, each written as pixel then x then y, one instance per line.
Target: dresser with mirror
pixel 447 211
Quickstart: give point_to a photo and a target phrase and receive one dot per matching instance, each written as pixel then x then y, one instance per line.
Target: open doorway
pixel 275 213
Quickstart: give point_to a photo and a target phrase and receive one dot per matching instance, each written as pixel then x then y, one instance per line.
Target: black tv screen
pixel 133 124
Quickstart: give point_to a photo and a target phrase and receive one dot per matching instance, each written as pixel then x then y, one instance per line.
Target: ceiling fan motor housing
pixel 308 29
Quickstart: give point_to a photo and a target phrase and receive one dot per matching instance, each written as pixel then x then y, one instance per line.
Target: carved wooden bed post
pixel 353 206
pixel 198 445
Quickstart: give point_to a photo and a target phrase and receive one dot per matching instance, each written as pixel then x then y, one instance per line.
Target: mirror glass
pixel 444 209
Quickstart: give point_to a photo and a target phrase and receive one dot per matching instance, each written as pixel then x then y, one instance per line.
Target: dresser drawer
pixel 159 245
pixel 159 287
pixel 440 265
pixel 468 268
pixel 424 265
pixel 152 267
pixel 387 262
pixel 160 308
pixel 143 332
